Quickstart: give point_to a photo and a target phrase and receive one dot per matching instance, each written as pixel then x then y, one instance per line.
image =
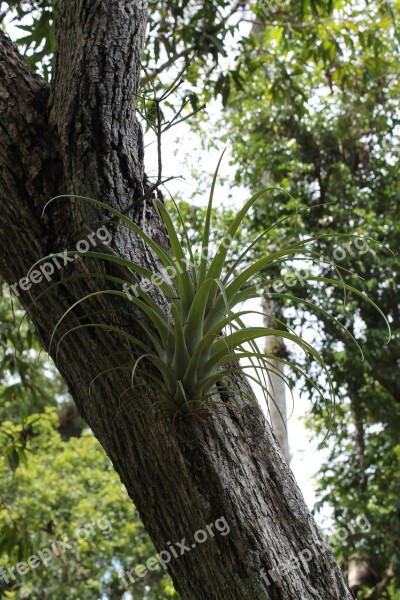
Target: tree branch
pixel 30 166
pixel 99 46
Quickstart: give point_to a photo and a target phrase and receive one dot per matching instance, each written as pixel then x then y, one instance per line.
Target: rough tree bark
pixel 81 136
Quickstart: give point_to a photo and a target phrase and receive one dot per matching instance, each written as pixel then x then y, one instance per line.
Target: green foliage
pixel 369 488
pixel 57 491
pixel 36 18
pixel 186 33
pixel 28 380
pixel 53 481
pixel 194 38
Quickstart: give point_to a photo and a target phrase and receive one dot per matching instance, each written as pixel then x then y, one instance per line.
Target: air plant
pixel 189 349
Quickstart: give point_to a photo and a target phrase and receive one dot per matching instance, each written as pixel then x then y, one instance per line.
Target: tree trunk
pixel 82 137
pixel 276 381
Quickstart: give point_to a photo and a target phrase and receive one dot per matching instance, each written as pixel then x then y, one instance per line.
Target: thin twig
pixel 146 195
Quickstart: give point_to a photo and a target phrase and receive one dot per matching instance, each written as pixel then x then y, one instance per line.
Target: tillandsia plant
pixel 195 344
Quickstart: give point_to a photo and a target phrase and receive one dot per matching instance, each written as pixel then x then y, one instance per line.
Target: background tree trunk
pixel 82 137
pixel 276 382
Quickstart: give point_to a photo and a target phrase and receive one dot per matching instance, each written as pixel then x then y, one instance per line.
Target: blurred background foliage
pixel 56 479
pixel 308 94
